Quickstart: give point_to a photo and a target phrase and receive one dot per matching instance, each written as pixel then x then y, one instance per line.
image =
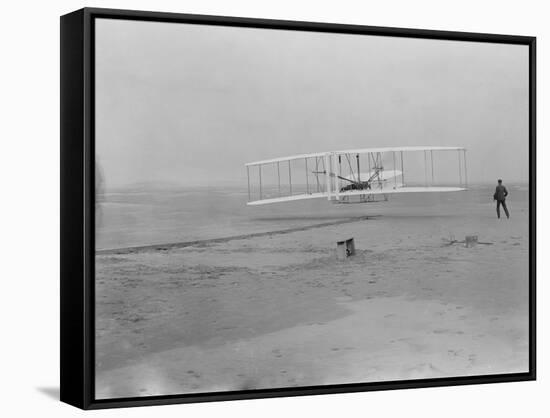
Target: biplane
pixel 355 176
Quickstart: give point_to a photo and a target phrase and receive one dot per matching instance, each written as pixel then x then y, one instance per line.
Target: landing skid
pixel 363 198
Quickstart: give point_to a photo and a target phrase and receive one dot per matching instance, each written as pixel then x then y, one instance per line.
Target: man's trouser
pixel 503 203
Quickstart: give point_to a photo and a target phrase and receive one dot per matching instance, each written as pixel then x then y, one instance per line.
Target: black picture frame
pixel 77 206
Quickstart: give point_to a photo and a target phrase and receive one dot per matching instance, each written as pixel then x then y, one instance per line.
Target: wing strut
pixel 260 171
pixel 248 178
pixel 307 179
pixel 289 178
pixel 279 177
pixel 432 160
pixel 465 171
pixel 394 168
pixel 316 175
pixel 358 169
pixel 402 171
pixel 426 168
pixel 459 169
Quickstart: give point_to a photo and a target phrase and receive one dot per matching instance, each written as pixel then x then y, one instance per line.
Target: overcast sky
pixel 189 104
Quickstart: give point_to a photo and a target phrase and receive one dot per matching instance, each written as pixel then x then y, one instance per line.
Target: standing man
pixel 500 197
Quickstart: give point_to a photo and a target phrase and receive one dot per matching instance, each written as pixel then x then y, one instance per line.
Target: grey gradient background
pixel 190 104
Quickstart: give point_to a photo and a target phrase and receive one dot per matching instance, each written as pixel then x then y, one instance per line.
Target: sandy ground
pixel 280 310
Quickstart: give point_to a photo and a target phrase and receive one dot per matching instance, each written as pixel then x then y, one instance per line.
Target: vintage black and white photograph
pixel 283 208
